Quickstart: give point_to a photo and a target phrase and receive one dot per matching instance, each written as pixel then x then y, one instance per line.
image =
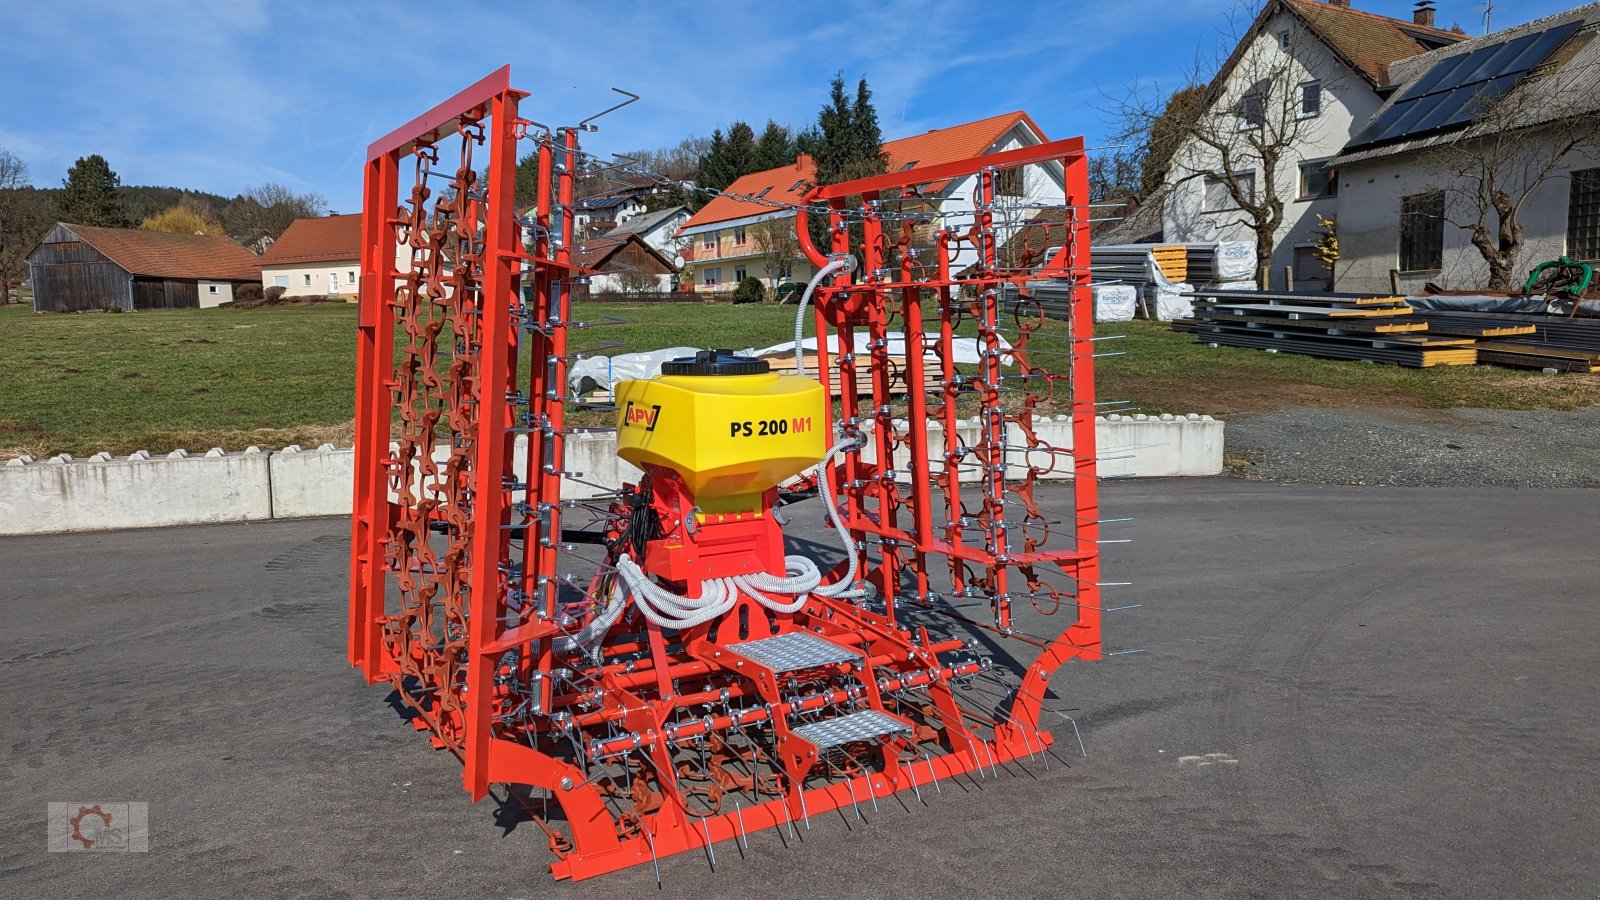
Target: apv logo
pixel 633 416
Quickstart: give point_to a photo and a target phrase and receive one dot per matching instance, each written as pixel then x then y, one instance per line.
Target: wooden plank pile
pixel 1524 340
pixel 1372 327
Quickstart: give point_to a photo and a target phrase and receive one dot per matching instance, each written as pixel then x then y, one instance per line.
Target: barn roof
pixel 157 254
pixel 321 239
pixel 596 254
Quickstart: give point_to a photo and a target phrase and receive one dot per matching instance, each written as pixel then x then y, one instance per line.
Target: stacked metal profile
pixel 1129 262
pixel 1339 326
pixel 523 651
pixel 1524 340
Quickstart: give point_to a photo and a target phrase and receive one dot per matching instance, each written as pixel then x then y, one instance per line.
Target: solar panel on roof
pixel 1456 89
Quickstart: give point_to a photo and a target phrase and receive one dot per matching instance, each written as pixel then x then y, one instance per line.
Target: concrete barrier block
pixel 311 482
pixel 68 496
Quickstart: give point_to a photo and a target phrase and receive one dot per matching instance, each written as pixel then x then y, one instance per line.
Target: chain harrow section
pixel 522 628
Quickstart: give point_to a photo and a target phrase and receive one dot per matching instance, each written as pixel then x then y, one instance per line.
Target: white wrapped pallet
pixel 1115 302
pixel 1169 305
pixel 1236 261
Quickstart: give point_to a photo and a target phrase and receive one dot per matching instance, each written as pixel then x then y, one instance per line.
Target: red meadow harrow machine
pixel 649 667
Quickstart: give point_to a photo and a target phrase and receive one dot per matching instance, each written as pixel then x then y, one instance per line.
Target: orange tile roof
pixel 323 239
pixel 157 254
pixel 1367 41
pixel 788 184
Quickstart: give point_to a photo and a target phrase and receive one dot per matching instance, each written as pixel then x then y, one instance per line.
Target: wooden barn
pixel 78 268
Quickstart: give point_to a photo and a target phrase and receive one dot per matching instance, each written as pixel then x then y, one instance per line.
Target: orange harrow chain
pixel 509 641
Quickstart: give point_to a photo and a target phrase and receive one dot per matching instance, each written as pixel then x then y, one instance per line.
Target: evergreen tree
pixel 866 152
pixel 775 147
pixel 89 195
pixel 728 158
pixel 848 143
pixel 832 149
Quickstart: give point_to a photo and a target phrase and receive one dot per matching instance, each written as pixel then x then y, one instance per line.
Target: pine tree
pixel 848 143
pixel 774 148
pixel 832 148
pixel 90 194
pixel 728 158
pixel 866 152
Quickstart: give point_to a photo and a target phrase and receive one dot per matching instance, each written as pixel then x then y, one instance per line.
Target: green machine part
pixel 1579 284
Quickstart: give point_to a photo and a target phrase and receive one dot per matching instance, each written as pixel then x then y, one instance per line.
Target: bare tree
pixel 1510 150
pixel 25 216
pixel 778 246
pixel 1239 140
pixel 258 216
pixel 637 281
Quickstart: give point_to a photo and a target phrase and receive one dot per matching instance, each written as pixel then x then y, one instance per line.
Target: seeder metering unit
pixel 684 679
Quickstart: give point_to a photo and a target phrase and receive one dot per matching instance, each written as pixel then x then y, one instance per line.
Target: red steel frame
pixel 456 588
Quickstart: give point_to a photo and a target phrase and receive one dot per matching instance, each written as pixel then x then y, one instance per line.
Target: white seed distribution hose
pixel 718 595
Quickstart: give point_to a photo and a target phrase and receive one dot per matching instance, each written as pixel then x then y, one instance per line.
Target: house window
pixel 1008 182
pixel 350 276
pixel 710 277
pixel 280 281
pixel 1318 180
pixel 1285 40
pixel 211 289
pixel 1422 232
pixel 305 280
pixel 1252 106
pixel 1310 99
pixel 797 185
pixel 708 240
pixel 909 166
pixel 1218 197
pixel 1583 215
pixel 738 236
pixel 738 274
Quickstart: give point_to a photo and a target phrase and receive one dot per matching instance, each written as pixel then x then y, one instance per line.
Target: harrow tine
pixel 850 783
pixel 654 860
pixel 744 838
pixel 711 851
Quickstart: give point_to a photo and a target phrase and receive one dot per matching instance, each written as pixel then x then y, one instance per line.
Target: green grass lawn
pixel 223 377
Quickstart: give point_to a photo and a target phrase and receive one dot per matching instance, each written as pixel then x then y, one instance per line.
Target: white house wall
pixel 1369 224
pixel 315 279
pixel 215 293
pixel 608 283
pixel 1348 101
pixel 1042 186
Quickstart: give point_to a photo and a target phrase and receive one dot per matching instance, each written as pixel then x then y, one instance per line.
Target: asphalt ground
pixel 1346 691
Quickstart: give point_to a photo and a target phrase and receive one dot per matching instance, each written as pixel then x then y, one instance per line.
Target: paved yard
pixel 1348 691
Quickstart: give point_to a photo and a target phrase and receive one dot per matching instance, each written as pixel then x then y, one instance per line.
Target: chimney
pixel 1342 4
pixel 1423 15
pixel 802 162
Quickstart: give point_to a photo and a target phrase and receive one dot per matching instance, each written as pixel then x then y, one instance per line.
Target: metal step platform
pixel 857 726
pixel 794 651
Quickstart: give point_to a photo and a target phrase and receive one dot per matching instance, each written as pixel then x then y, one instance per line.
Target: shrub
pixel 246 293
pixel 274 294
pixel 749 291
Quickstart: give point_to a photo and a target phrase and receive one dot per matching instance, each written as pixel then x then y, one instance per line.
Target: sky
pixel 221 95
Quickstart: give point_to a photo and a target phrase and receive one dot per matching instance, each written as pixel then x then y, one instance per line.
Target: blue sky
pixel 224 94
